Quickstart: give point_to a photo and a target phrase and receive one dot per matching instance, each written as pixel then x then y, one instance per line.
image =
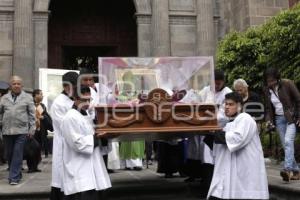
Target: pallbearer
pixel 240 171
pixel 84 169
pixel 59 108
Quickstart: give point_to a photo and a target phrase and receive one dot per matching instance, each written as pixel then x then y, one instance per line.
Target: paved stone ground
pixel 133 185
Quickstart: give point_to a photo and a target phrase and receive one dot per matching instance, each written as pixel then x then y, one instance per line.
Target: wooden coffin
pixel 157 118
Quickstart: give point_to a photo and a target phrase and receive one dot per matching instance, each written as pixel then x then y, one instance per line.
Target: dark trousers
pixel 149 149
pixel 215 198
pixel 41 137
pixel 170 158
pixel 56 194
pixel 207 171
pixel 105 159
pixel 14 145
pixel 87 195
pixel 2 152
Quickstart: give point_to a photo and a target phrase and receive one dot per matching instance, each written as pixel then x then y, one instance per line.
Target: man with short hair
pixel 217 97
pixel 17 119
pixel 59 108
pixel 239 171
pixel 251 101
pixel 101 95
pixel 85 175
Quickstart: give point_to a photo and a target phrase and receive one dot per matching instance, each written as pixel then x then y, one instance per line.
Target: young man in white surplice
pixel 60 106
pixel 101 95
pixel 85 173
pixel 239 171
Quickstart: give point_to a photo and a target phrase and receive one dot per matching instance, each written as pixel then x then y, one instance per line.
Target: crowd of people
pixel 229 163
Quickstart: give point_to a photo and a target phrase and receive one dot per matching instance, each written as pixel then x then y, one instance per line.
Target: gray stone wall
pixel 183 27
pixel 262 10
pixel 6 38
pixel 174 27
pixel 242 14
pixel 235 15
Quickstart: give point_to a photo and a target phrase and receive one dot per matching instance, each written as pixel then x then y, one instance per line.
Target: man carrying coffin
pixel 59 108
pixel 240 171
pixel 84 169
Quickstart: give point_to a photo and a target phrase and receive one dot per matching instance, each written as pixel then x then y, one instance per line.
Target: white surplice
pixel 102 96
pixel 59 108
pixel 83 165
pixel 197 149
pixel 240 171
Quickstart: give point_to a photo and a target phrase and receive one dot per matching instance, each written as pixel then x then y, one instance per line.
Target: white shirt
pixel 59 108
pixel 220 100
pixel 276 103
pixel 103 96
pixel 83 165
pixel 240 171
pixel 220 95
pixel 197 149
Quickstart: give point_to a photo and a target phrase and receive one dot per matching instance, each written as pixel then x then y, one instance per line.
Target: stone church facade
pixel 29 41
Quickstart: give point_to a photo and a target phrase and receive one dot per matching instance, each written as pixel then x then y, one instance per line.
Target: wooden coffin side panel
pixel 125 119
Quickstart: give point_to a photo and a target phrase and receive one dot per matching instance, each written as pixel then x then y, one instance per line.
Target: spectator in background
pixel 251 102
pixel 282 100
pixel 43 121
pixel 17 119
pixel 4 86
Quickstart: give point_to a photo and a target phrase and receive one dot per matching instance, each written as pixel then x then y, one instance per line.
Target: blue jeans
pixel 287 133
pixel 14 145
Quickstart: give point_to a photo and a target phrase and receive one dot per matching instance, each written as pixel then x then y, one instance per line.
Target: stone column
pixel 23 45
pixel 160 28
pixel 144 34
pixel 40 20
pixel 205 28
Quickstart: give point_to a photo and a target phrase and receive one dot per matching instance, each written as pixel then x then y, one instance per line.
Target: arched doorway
pixel 81 31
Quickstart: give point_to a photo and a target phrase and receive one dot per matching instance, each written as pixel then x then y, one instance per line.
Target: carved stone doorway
pixel 81 31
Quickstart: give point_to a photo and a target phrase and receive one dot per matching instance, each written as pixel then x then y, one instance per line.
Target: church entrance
pixel 82 31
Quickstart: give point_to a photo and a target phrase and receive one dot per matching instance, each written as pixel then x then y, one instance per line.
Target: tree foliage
pixel 274 44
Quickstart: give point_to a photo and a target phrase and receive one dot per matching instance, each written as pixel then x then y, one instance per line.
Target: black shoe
pixel 182 175
pixel 33 170
pixel 110 171
pixel 286 175
pixel 137 168
pixel 189 180
pixel 149 162
pixel 13 182
pixel 169 176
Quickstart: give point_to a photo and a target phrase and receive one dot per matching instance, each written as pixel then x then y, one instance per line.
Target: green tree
pixel 277 43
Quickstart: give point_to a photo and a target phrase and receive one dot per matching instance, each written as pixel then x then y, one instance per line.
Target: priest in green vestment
pixel 131 152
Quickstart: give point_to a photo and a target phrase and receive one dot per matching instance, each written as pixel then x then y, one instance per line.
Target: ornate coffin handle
pixel 121 123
